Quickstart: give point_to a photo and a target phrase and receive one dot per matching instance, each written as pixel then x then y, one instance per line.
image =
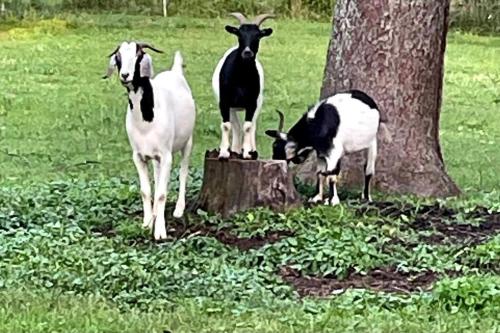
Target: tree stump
pixel 236 185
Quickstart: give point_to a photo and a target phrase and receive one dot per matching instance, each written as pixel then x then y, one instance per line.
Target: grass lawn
pixel 73 257
pixel 56 112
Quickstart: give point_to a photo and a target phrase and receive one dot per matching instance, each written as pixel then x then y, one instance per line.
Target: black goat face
pixel 249 36
pixel 280 144
pixel 279 149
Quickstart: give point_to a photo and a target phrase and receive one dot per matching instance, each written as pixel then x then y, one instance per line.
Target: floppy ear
pixel 273 134
pixel 266 32
pixel 232 30
pixel 146 66
pixel 111 67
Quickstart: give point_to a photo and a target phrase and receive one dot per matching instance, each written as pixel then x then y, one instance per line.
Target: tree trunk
pixel 237 185
pixel 394 51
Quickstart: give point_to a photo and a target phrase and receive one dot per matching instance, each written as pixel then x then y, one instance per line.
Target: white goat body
pixel 168 128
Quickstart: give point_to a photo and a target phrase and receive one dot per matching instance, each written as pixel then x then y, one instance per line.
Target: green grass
pixel 40 312
pixel 55 95
pixel 56 112
pixel 66 173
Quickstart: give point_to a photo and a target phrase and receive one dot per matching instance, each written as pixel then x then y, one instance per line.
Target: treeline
pixel 470 15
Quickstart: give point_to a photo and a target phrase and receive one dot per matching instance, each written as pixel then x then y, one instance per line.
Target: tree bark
pixel 394 51
pixel 237 185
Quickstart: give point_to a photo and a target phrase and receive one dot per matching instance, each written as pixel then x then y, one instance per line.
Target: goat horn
pixel 148 46
pixel 282 120
pixel 116 50
pixel 240 17
pixel 261 18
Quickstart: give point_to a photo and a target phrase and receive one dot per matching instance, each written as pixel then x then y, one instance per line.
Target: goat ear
pixel 232 30
pixel 273 134
pixel 111 67
pixel 266 32
pixel 146 66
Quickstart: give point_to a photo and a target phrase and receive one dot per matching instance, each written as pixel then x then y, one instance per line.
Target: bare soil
pixel 382 279
pixel 225 236
pixel 442 221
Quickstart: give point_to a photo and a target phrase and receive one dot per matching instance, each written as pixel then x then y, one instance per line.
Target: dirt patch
pixel 225 236
pixel 442 221
pixel 178 229
pixel 448 230
pixel 382 279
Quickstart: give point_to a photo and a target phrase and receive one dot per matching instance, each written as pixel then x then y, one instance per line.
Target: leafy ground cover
pixel 74 258
pixel 84 239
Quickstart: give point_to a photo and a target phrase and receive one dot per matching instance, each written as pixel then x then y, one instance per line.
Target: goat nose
pixel 247 53
pixel 125 76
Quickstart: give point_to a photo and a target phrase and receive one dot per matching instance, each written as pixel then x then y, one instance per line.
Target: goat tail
pixel 178 63
pixel 386 134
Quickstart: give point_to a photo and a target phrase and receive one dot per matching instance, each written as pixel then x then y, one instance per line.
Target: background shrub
pixel 471 15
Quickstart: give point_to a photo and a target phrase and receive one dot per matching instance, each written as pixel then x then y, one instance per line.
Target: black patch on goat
pixel 359 95
pixel 239 82
pixel 118 61
pixel 147 100
pixel 317 132
pixel 249 35
pixel 279 149
pixel 239 85
pixel 323 128
pixel 366 190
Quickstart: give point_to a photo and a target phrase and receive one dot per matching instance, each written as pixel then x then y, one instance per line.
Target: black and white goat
pixel 343 123
pixel 238 84
pixel 160 121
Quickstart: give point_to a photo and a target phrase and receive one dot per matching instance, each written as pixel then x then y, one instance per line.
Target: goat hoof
pixel 315 200
pixel 365 199
pixel 254 155
pixel 247 155
pixel 334 202
pixel 224 155
pixel 234 155
pixel 178 213
pixel 160 235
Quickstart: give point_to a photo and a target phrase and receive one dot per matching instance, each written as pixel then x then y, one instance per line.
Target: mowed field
pixel 73 257
pixel 56 113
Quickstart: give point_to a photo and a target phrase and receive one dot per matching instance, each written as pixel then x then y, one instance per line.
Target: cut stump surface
pixel 236 185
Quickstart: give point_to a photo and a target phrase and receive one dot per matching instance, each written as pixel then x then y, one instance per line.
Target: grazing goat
pixel 343 123
pixel 160 121
pixel 238 84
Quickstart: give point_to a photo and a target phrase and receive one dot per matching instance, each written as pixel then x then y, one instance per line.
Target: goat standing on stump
pixel 159 122
pixel 238 84
pixel 343 123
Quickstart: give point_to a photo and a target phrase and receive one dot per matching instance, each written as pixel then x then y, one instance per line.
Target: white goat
pixel 160 121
